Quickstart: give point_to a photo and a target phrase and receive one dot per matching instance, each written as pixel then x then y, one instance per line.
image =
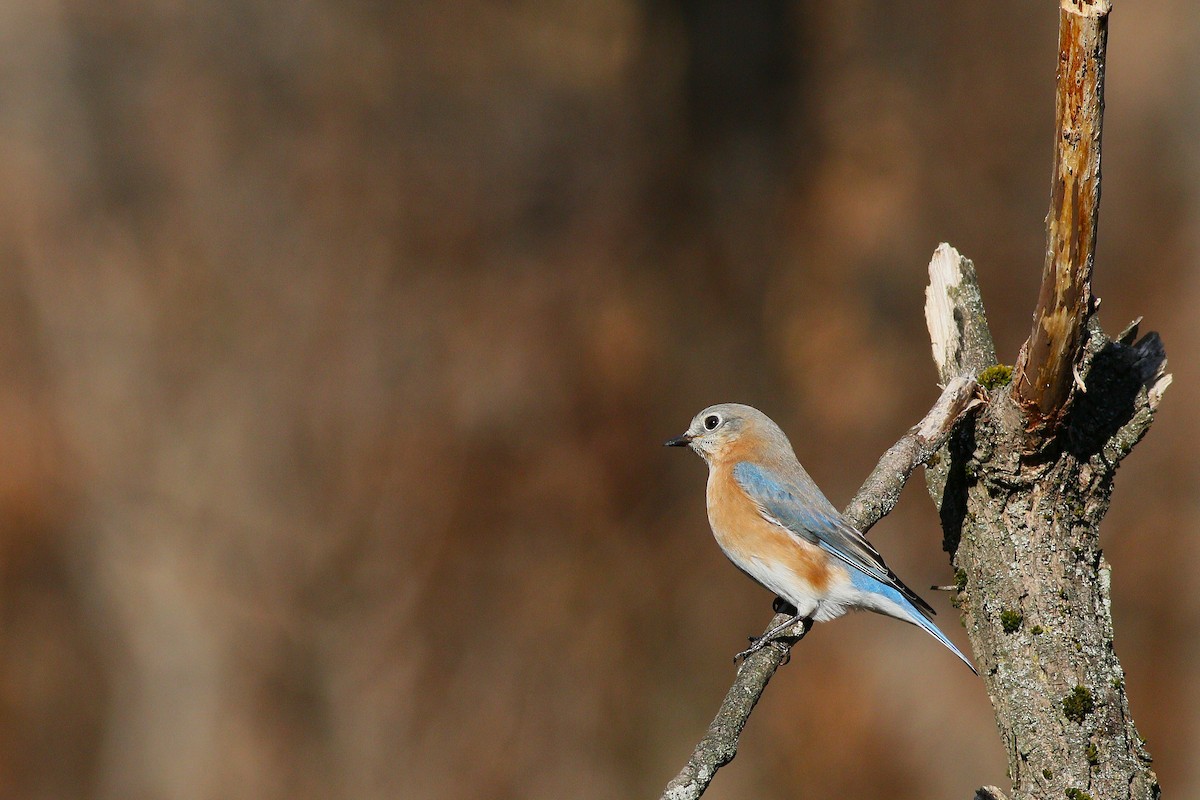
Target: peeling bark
pixel 958 328
pixel 1045 377
pixel 1023 486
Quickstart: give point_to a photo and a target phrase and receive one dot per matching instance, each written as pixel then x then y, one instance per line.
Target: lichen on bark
pixel 1023 528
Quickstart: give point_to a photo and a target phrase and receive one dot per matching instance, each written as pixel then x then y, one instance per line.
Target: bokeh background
pixel 339 339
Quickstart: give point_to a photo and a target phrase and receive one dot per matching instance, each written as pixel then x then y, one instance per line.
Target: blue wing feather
pixel 799 506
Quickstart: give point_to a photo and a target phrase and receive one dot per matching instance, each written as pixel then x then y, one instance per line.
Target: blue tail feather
pixel 922 622
pixel 913 614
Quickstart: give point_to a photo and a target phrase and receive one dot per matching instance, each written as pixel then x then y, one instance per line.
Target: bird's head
pixel 718 431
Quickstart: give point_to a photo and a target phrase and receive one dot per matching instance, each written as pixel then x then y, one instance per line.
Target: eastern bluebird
pixel 775 525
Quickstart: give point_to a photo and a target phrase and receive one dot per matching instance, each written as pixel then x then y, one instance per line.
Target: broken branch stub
pixel 1044 381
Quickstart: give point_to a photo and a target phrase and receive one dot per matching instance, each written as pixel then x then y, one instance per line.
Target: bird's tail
pixel 888 599
pixel 923 622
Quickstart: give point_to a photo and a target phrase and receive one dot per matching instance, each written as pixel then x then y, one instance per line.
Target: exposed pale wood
pixel 1022 531
pixel 958 329
pixel 1044 378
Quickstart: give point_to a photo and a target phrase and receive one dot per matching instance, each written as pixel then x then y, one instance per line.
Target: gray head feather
pixel 717 429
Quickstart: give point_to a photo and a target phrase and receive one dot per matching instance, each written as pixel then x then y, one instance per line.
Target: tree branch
pixel 1023 531
pixel 873 501
pixel 1047 366
pixel 989 793
pixel 881 491
pixel 958 327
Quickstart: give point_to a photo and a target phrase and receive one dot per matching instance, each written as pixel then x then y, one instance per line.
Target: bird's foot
pixel 756 643
pixel 770 638
pixel 759 642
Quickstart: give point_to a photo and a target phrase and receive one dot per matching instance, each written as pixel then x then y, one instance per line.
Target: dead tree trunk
pixel 1022 528
pixel 1022 486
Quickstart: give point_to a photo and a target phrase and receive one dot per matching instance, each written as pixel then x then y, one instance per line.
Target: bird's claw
pixel 756 644
pixel 759 642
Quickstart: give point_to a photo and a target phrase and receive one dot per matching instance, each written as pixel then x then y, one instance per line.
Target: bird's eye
pixel 711 422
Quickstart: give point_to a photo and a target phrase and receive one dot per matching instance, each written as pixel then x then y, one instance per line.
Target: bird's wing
pixel 800 507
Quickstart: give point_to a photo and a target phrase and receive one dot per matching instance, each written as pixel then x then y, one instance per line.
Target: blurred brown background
pixel 339 340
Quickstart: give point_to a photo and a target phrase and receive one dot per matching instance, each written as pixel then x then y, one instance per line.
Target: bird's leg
pixel 779 606
pixel 766 638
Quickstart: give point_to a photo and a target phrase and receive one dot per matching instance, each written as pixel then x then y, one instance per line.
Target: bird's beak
pixel 679 441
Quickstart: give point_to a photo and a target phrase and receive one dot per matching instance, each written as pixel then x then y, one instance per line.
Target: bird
pixel 775 525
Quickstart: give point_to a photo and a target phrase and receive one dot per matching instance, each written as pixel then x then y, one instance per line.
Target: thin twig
pixel 881 491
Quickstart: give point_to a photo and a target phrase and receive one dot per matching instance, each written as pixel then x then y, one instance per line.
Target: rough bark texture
pixel 1024 537
pixel 1023 487
pixel 881 491
pixel 720 742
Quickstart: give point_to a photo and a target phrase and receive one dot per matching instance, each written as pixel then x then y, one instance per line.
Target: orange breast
pixel 745 535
